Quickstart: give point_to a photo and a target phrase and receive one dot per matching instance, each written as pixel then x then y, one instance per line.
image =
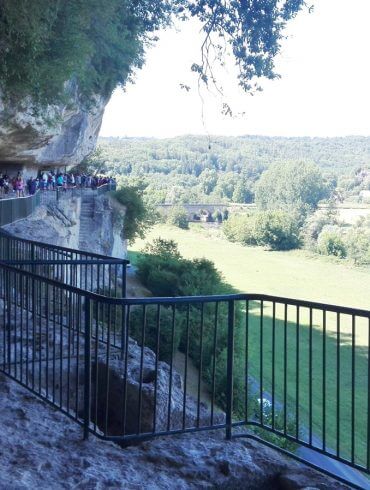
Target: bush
pixel 178 217
pixel 331 242
pixel 138 217
pixel 314 226
pixel 240 228
pixel 166 273
pixel 277 230
pixel 357 244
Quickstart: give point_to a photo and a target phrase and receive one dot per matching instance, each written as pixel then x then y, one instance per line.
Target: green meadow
pixel 297 274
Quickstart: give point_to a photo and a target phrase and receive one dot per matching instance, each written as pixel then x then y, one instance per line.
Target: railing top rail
pixel 107 261
pixel 17 198
pixel 173 300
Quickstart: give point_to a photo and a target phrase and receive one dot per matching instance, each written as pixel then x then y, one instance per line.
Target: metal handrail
pixel 102 326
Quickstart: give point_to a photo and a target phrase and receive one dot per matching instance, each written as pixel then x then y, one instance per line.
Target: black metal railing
pixel 85 270
pixel 287 372
pixel 14 209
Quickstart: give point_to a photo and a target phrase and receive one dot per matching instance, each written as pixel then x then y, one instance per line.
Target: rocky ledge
pixel 41 448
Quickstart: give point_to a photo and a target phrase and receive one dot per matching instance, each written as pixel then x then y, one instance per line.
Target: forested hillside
pixel 197 168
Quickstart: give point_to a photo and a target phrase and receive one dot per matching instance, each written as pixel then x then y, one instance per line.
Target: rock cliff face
pixel 64 224
pixel 58 135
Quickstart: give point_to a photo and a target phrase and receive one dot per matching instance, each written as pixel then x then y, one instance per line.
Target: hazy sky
pixel 324 89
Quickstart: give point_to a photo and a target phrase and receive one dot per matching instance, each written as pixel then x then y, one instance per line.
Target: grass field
pixel 251 269
pixel 298 275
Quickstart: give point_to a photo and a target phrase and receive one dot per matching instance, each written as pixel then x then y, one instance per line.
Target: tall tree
pixel 291 187
pixel 94 45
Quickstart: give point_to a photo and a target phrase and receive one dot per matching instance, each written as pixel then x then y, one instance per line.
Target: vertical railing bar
pixel 61 348
pixel 21 320
pixel 285 364
pixel 353 367
pixel 47 299
pixel 107 366
pixel 261 363
pixel 78 333
pixel 141 369
pixel 214 363
pixel 158 336
pixel 200 363
pixel 69 332
pixel 324 383
pixel 297 371
pixel 310 379
pixel 246 360
pixel 230 366
pixel 96 364
pixel 34 309
pixel 338 387
pixel 368 396
pixel 27 327
pixel 15 323
pixel 171 369
pixel 54 339
pixel 87 370
pixel 273 362
pixel 124 398
pixel 186 366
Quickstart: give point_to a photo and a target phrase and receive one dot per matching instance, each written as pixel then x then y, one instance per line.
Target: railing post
pixel 87 373
pixel 230 364
pixel 33 258
pixel 124 279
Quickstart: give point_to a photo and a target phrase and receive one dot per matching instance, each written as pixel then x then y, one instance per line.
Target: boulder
pixel 148 404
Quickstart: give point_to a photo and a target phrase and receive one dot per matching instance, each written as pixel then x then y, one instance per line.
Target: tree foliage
pixel 291 187
pixel 178 217
pixel 95 45
pixel 138 216
pixel 277 230
pixel 174 167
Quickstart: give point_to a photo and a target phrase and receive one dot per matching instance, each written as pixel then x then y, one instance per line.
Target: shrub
pixel 166 249
pixel 166 273
pixel 314 226
pixel 138 217
pixel 357 244
pixel 240 228
pixel 331 242
pixel 277 230
pixel 178 217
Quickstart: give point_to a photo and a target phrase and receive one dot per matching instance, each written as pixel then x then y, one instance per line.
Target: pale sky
pixel 324 89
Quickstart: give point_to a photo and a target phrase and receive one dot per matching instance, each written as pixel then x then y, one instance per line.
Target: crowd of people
pixel 49 181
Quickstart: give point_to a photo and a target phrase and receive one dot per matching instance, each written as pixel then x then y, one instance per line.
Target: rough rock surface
pixel 60 224
pixel 152 392
pixel 41 448
pixel 57 224
pixel 58 135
